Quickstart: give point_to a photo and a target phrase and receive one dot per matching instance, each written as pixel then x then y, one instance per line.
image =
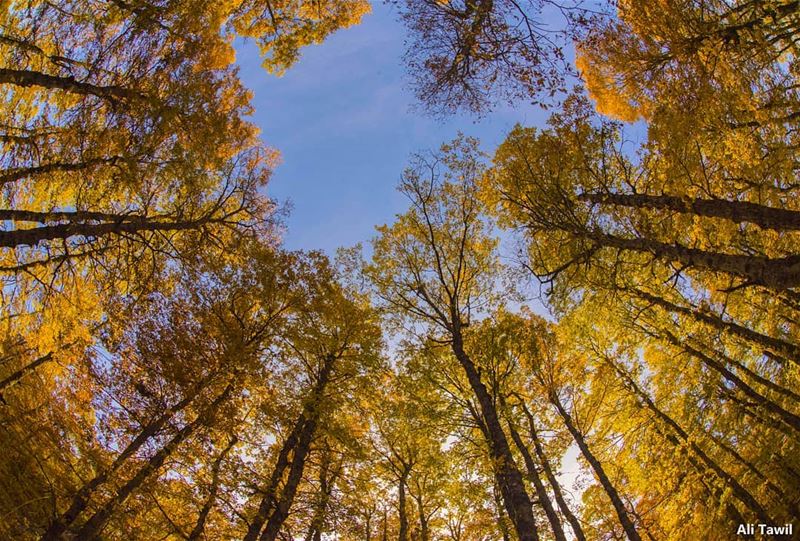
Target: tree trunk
pixel 368 527
pixel 605 482
pixel 32 237
pixel 735 211
pixel 509 478
pixel 92 528
pixel 760 400
pixel 778 274
pixel 401 505
pixel 297 443
pixel 729 327
pixel 551 478
pixel 501 519
pixel 281 510
pixel 63 215
pixel 14 378
pixel 424 530
pixel 81 498
pixel 738 490
pixel 200 525
pixel 541 491
pixel 325 488
pixel 25 78
pixel 12 175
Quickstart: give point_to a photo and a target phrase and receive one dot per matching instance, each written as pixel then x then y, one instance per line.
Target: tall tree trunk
pixel 735 211
pixel 597 467
pixel 738 490
pixel 778 274
pixel 12 175
pixel 81 499
pixel 26 78
pixel 760 400
pixel 551 478
pixel 325 488
pixel 281 510
pixel 541 491
pixel 729 327
pixel 401 504
pixel 32 237
pixel 517 502
pixel 297 444
pixel 277 473
pixel 15 378
pixel 501 518
pixel 714 491
pixel 368 526
pixel 200 525
pixel 63 215
pixel 752 375
pixel 424 528
pixel 92 528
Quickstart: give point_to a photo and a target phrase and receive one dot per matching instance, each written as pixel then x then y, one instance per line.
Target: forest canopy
pixel 170 370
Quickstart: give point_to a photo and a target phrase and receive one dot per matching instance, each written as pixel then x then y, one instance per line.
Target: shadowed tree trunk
pixel 597 467
pixel 735 211
pixel 787 417
pixel 551 478
pixel 12 175
pixel 509 479
pixel 738 490
pixel 32 237
pixel 81 498
pixel 26 78
pixel 274 507
pixel 200 525
pixel 541 491
pixel 14 378
pixel 729 327
pixel 402 513
pixel 778 274
pixel 93 527
pixel 327 479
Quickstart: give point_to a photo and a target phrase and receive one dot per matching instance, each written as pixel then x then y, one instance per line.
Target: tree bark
pixel 69 216
pixel 509 478
pixel 760 400
pixel 541 491
pixel 25 78
pixel 597 467
pixel 778 274
pixel 32 237
pixel 14 378
pixel 742 494
pixel 273 508
pixel 81 499
pixel 735 211
pixel 281 510
pixel 12 175
pixel 729 327
pixel 325 488
pixel 200 525
pixel 551 478
pixel 401 505
pixel 92 528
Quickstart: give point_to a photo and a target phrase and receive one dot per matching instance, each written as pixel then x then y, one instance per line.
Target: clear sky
pixel 342 120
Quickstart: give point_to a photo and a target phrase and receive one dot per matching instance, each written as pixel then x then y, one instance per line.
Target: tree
pixel 434 267
pixel 473 54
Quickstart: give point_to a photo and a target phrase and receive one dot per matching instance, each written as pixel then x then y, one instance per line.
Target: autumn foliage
pixel 168 370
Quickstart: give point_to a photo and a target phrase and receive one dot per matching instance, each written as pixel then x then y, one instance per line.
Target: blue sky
pixel 342 120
